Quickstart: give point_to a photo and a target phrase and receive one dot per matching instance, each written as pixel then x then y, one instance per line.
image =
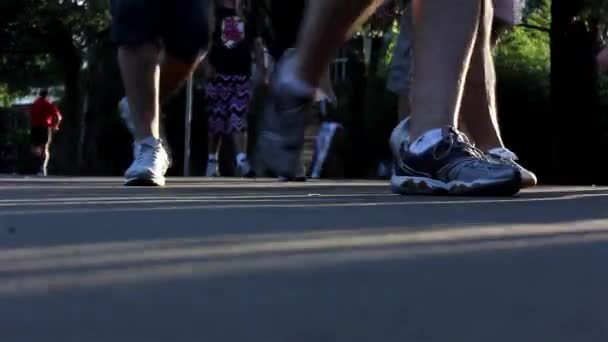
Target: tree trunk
pixel 107 142
pixel 66 141
pixel 574 95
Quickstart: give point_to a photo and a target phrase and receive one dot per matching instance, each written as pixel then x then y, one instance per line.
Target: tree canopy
pixel 42 38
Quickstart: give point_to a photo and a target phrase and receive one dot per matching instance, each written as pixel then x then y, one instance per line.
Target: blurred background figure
pixel 229 87
pixel 45 119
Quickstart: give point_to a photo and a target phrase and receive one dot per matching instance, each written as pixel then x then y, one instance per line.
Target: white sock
pixel 287 79
pixel 426 141
pixel 240 158
pixel 213 157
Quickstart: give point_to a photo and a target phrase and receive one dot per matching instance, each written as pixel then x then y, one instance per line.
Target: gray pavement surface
pixel 88 260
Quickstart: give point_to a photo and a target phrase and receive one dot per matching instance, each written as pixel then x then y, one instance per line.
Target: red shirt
pixel 44 114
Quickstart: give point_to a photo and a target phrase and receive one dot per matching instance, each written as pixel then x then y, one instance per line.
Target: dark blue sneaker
pixel 453 167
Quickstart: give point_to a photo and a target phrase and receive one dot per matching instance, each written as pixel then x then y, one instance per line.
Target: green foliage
pixel 5 96
pixel 37 36
pixel 525 52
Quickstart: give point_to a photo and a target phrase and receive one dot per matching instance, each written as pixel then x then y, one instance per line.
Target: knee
pixel 143 53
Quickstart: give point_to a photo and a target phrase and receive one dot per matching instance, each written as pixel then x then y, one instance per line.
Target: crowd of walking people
pixel 448 140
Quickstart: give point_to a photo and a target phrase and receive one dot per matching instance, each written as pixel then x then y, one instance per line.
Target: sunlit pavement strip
pixel 60 268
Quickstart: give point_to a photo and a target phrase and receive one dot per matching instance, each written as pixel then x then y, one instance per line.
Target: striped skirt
pixel 228 99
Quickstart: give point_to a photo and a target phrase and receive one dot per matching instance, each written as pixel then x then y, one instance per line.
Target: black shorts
pixel 40 136
pixel 182 26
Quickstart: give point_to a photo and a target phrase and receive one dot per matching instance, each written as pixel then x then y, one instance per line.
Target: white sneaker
pixel 245 170
pixel 127 118
pixel 213 168
pixel 150 165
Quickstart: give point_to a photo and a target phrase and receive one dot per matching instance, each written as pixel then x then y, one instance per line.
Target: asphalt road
pixel 87 260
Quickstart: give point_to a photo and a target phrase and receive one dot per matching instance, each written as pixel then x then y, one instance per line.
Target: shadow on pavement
pixel 336 266
pixel 539 283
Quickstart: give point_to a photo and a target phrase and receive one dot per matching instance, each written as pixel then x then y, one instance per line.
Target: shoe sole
pixel 249 175
pixel 299 179
pixel 145 182
pixel 405 185
pixel 277 160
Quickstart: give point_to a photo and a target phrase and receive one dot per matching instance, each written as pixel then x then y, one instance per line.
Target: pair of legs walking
pixel 479 111
pixel 449 35
pixel 160 44
pixel 40 147
pixel 228 99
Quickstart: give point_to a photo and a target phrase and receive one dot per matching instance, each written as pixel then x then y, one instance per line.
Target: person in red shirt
pixel 45 118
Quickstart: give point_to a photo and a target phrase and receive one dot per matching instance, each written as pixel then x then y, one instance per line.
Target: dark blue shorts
pixel 183 27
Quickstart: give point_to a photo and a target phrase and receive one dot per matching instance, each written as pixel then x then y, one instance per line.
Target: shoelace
pixel 147 158
pixel 458 140
pixel 504 154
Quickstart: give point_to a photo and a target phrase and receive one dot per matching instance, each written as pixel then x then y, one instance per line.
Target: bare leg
pixel 281 135
pixel 479 111
pixel 46 157
pixel 439 160
pixel 240 142
pixel 145 80
pixel 325 27
pixel 445 33
pixel 214 143
pixel 242 161
pixel 141 76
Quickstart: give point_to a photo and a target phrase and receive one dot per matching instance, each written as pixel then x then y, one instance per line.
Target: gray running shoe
pixel 281 135
pixel 453 167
